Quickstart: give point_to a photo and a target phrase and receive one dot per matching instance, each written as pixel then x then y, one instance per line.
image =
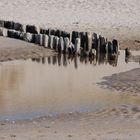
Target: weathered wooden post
pixel 115 46
pixel 110 47
pixel 83 40
pixel 74 36
pixel 94 41
pixel 58 33
pixel 9 24
pixel 27 37
pixel 51 43
pixel 11 33
pixel 3 32
pixel 56 42
pixel 40 36
pixel 18 27
pixel 66 44
pixel 32 29
pixel 70 50
pixel 77 46
pixel 102 44
pixel 1 23
pixel 61 45
pixel 45 40
pixel 43 31
pixel 51 32
pixel 65 34
pixel 88 41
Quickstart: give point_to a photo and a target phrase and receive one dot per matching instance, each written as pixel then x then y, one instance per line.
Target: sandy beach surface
pixel 112 124
pixel 111 18
pixel 11 49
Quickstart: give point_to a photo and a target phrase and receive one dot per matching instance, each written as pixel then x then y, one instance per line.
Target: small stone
pixel 47 126
pixel 3 124
pixel 12 135
pixel 69 136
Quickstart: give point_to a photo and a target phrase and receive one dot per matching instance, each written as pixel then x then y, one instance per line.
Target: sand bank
pixel 11 49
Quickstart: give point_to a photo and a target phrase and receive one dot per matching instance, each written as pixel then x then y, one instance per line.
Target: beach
pixel 110 18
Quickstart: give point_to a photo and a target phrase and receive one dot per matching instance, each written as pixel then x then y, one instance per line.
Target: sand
pixel 111 18
pixel 112 124
pixel 11 49
pixel 128 82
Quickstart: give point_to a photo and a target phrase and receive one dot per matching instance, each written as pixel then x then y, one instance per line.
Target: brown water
pixel 55 85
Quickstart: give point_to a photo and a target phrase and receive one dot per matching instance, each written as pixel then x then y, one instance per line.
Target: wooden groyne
pixel 74 43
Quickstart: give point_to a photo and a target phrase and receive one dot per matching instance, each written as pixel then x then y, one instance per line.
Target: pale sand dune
pixel 120 18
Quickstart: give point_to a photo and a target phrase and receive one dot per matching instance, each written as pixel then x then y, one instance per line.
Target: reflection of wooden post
pixel 43 60
pixel 49 60
pixel 75 62
pixel 59 59
pixel 127 52
pixel 54 59
pixel 64 60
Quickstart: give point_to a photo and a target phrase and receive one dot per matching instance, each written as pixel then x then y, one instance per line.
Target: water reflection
pixel 59 84
pixel 64 60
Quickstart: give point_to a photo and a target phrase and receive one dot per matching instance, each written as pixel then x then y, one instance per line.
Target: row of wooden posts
pixel 81 43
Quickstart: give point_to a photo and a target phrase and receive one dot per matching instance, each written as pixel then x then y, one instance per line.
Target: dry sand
pixel 118 18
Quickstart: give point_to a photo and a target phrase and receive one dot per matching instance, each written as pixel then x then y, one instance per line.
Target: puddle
pixel 58 84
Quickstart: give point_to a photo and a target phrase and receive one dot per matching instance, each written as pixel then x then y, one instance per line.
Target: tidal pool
pixel 58 85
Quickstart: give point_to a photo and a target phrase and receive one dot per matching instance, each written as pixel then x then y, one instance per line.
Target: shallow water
pixel 58 84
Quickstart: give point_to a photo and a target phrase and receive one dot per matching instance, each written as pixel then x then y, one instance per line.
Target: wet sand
pixel 128 82
pixel 12 49
pixel 122 123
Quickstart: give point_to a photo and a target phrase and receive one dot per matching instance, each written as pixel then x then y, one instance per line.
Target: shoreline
pixel 114 123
